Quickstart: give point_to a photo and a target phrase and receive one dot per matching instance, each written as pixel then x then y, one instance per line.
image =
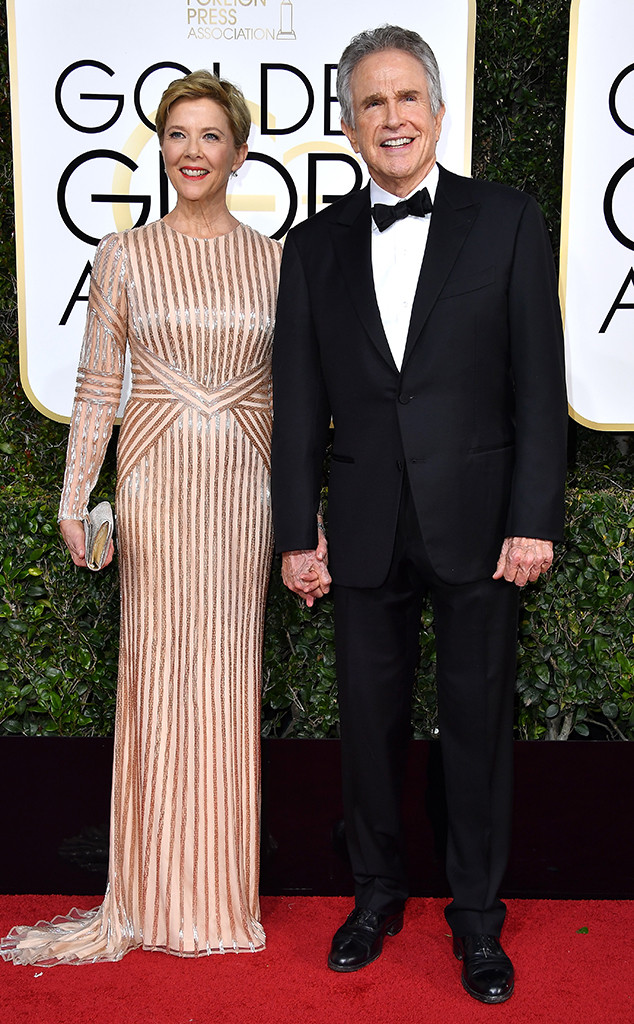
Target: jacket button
pixel 399 465
pixel 405 399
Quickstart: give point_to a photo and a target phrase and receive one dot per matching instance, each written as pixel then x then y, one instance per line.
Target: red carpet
pixel 564 973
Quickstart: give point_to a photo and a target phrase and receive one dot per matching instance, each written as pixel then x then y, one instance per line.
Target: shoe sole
pixel 394 929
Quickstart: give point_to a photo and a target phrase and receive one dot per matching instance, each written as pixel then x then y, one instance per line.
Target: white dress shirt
pixel 397 256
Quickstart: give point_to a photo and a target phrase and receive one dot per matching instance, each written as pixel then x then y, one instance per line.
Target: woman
pixel 193 295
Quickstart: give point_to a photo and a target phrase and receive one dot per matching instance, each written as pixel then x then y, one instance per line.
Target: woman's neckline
pixel 201 238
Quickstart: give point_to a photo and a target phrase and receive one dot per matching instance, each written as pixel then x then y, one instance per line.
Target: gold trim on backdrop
pixel 567 171
pixel 19 219
pixel 571 83
pixel 618 427
pixel 468 121
pixel 19 215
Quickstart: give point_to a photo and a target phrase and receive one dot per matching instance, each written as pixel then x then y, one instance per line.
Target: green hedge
pixel 59 628
pixel 59 625
pixel 575 669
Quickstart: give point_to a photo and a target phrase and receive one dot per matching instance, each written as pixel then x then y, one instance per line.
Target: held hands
pixel 306 572
pixel 523 559
pixel 72 531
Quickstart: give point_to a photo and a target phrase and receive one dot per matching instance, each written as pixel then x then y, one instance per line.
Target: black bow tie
pixel 419 204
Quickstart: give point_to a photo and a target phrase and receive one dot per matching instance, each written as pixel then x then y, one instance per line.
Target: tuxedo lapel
pixel 352 236
pixel 451 221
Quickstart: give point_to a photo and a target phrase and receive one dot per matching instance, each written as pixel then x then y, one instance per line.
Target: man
pixel 434 342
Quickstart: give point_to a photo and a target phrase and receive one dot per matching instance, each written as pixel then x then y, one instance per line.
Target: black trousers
pixel 377 645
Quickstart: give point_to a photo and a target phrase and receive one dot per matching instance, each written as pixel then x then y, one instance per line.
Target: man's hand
pixel 523 559
pixel 306 572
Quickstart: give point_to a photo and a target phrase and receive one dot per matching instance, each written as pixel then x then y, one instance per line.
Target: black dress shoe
pixel 360 940
pixel 487 972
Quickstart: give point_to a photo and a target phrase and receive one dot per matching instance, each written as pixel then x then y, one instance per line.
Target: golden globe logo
pixel 277 177
pixel 88 102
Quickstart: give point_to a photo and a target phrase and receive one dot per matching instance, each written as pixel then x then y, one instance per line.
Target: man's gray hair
pixel 387 37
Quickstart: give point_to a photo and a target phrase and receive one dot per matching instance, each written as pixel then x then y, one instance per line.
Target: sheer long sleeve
pixel 99 377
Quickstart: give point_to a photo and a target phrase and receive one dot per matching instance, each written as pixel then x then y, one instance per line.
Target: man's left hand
pixel 523 559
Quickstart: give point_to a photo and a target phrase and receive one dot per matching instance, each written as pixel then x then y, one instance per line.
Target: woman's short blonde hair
pixel 203 85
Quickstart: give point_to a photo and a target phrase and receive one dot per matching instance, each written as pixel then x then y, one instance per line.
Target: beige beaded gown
pixel 194 542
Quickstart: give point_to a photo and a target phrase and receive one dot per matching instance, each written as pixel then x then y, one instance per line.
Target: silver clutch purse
pixel 98 530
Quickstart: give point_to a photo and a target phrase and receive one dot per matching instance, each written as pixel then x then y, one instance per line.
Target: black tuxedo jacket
pixel 476 416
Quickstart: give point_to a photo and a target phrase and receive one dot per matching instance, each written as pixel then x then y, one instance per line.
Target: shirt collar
pixel 379 195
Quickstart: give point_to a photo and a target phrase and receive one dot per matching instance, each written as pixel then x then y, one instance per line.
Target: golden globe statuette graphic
pixel 286 21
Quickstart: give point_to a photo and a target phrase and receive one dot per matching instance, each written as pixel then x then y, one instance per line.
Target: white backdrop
pixel 85 82
pixel 597 255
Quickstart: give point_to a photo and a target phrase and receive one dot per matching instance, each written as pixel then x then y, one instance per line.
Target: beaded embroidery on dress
pixel 195 541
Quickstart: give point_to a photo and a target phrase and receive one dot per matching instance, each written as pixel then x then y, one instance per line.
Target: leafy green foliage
pixel 520 95
pixel 59 625
pixel 576 656
pixel 58 630
pixel 299 693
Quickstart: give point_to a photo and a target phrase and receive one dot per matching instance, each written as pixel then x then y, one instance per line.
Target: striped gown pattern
pixel 194 540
